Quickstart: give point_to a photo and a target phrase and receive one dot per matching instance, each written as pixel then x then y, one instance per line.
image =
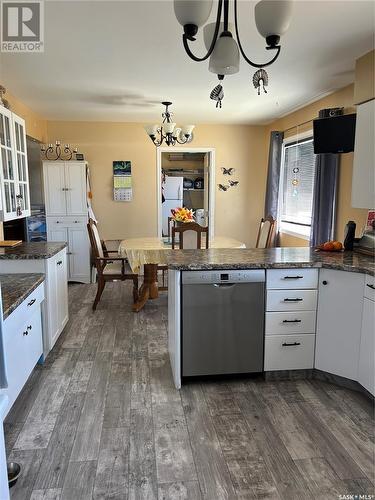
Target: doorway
pixel 186 178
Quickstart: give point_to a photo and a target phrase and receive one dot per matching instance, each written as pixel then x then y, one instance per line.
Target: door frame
pixel 211 187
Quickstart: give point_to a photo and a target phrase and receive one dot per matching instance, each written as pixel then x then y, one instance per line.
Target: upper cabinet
pixel 363 181
pixel 15 197
pixel 65 188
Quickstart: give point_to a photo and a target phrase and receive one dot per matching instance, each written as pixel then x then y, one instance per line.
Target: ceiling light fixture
pixel 168 131
pixel 272 19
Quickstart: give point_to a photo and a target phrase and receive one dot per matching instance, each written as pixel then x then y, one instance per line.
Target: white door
pixel 54 188
pixel 23 194
pixel 173 188
pixel 58 233
pixel 9 186
pixel 76 196
pixel 62 290
pixel 339 319
pixel 79 255
pixel 206 194
pixel 366 365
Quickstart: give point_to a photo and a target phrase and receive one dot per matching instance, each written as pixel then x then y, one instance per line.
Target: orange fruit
pixel 328 246
pixel 337 245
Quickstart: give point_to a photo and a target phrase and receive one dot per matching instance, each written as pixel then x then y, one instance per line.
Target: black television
pixel 334 134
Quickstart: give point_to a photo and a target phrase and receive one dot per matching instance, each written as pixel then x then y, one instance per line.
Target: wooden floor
pixel 101 419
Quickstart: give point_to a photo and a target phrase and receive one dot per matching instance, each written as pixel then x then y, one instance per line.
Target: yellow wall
pixel 237 211
pixel 36 125
pixel 341 98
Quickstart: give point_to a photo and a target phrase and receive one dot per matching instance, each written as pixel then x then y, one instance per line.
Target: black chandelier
pixel 58 152
pixel 272 18
pixel 168 132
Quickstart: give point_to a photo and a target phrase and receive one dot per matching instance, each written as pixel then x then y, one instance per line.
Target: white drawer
pixel 370 287
pixel 292 278
pixel 26 309
pixel 78 221
pixel 289 352
pixel 23 346
pixel 292 300
pixel 290 322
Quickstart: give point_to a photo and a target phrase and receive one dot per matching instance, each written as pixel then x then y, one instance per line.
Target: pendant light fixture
pixel 272 19
pixel 168 132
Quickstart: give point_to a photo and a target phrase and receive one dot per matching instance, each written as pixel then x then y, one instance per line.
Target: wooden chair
pixel 108 268
pixel 190 243
pixel 265 233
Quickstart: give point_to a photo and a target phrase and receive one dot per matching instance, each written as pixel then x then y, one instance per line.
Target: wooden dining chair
pixel 192 241
pixel 265 232
pixel 108 268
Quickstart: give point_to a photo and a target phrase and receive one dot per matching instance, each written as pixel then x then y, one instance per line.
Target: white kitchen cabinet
pixel 55 305
pixel 72 230
pixel 13 166
pixel 366 363
pixel 4 488
pixel 67 214
pixel 65 188
pixel 340 303
pixel 363 180
pixel 23 343
pixel 57 293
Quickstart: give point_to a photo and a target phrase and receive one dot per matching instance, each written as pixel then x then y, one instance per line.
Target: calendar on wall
pixel 122 181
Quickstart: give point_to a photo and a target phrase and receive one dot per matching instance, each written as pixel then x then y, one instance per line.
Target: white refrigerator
pixel 173 190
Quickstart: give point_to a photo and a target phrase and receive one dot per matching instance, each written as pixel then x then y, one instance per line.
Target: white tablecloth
pixel 140 251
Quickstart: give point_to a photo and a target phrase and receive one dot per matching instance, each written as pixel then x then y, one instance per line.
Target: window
pixel 297 188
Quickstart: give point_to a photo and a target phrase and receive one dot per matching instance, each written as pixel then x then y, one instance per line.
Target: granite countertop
pixel 32 250
pixel 268 258
pixel 15 288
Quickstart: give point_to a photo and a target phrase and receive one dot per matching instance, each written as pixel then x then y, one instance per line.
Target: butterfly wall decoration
pixel 223 187
pixel 233 183
pixel 228 171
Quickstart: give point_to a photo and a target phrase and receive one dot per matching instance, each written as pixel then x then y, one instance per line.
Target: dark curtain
pixel 324 200
pixel 273 177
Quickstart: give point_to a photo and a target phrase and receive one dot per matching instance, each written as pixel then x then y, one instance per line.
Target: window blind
pixel 296 200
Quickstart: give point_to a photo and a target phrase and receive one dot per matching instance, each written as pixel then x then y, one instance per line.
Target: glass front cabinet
pixel 15 196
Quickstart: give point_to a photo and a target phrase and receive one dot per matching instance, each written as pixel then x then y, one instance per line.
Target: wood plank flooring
pixel 102 420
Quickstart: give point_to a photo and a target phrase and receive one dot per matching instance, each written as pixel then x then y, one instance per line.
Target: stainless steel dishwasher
pixel 222 322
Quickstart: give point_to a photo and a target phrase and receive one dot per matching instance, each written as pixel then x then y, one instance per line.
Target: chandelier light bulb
pixel 272 17
pixel 151 130
pixel 225 59
pixel 193 12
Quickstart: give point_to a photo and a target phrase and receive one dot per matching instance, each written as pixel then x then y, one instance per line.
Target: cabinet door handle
pixel 57 222
pixel 29 327
pixel 59 262
pixel 31 302
pixel 293 277
pixel 76 221
pixel 25 333
pixel 292 300
pixel 289 344
pixel 370 286
pixel 292 321
pixel 69 253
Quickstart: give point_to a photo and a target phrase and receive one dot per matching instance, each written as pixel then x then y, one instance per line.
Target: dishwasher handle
pixel 224 285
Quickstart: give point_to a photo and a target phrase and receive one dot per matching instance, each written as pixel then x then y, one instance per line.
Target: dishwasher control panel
pixel 223 276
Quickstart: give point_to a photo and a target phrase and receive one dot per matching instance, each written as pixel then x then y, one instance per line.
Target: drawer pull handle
pixel 292 321
pixel 69 253
pixel 31 302
pixel 370 286
pixel 293 277
pixel 76 221
pixel 293 300
pixel 325 282
pixel 57 222
pixel 287 344
pixel 59 262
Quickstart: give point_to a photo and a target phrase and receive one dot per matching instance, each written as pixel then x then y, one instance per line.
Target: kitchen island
pixel 49 259
pixel 318 309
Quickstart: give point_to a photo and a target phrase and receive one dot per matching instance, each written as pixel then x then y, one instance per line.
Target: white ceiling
pixel 116 60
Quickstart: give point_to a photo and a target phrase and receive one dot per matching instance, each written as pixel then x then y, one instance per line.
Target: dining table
pixel 148 255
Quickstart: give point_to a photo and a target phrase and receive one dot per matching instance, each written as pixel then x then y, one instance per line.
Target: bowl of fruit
pixel 330 246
